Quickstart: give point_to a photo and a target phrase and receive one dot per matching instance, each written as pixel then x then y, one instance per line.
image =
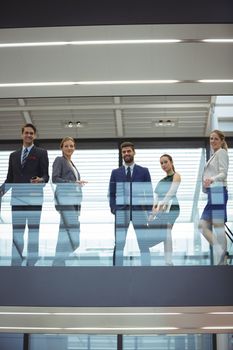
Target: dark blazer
pixel 68 192
pixel 18 177
pixel 142 191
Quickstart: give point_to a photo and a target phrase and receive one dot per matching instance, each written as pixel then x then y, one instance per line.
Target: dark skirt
pixel 173 214
pixel 216 208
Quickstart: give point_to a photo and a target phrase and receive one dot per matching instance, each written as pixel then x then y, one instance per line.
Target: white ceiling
pixel 187 61
pixel 114 110
pixel 107 117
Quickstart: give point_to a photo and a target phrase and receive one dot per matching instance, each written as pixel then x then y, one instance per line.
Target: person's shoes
pixel 226 257
pixel 16 262
pixel 31 262
pixel 59 262
pixel 169 264
pixel 223 258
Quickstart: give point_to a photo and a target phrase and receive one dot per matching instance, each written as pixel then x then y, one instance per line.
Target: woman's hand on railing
pixel 81 182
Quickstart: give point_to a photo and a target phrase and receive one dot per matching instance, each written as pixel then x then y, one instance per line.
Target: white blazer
pixel 216 168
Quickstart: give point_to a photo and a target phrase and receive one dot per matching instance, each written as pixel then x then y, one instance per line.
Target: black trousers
pixel 139 222
pixel 69 232
pixel 21 216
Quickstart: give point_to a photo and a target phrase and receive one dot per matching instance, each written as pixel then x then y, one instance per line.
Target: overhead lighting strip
pixel 119 82
pixel 113 42
pixel 32 328
pixel 92 313
pixel 114 82
pixel 217 327
pixel 95 82
pixel 122 328
pixel 92 328
pixel 218 41
pixel 215 81
pixel 221 313
pixel 117 313
pixel 91 42
pixel 26 313
pixel 46 83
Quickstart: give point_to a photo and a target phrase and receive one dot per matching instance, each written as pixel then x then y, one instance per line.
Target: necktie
pixel 129 179
pixel 25 154
pixel 128 174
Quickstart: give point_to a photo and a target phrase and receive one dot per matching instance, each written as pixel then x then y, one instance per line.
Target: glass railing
pixel 10 341
pixel 106 342
pixel 78 229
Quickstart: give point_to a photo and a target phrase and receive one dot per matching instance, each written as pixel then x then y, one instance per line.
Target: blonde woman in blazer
pixel 214 183
pixel 68 197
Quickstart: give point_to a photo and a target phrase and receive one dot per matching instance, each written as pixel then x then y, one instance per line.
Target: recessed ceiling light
pixel 164 123
pixel 74 124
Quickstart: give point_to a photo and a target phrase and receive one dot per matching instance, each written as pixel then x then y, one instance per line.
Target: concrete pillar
pixel 213 120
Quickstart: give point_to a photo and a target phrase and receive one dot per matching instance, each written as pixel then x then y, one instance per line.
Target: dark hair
pixel 127 144
pixel 222 138
pixel 29 125
pixel 67 138
pixel 170 158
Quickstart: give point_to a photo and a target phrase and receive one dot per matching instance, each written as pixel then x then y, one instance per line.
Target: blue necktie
pixel 129 179
pixel 25 154
pixel 128 174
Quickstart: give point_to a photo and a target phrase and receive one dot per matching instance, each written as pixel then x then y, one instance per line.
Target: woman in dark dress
pixel 166 201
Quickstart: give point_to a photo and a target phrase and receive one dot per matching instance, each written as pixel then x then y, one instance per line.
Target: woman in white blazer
pixel 214 183
pixel 68 197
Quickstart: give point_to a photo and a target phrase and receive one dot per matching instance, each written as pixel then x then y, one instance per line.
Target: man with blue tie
pixel 131 198
pixel 27 175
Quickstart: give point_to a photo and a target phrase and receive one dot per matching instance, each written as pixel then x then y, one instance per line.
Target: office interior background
pixel 160 75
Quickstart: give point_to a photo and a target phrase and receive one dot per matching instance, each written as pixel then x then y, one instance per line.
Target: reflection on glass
pixel 168 342
pixel 68 342
pixel 11 341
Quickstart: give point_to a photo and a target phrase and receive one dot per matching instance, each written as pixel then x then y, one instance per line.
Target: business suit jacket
pixel 68 192
pixel 19 178
pixel 142 191
pixel 216 168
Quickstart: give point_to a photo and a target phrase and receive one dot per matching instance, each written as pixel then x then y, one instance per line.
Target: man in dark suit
pixel 131 198
pixel 27 175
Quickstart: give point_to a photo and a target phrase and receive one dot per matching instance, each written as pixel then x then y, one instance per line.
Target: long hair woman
pixel 167 202
pixel 214 183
